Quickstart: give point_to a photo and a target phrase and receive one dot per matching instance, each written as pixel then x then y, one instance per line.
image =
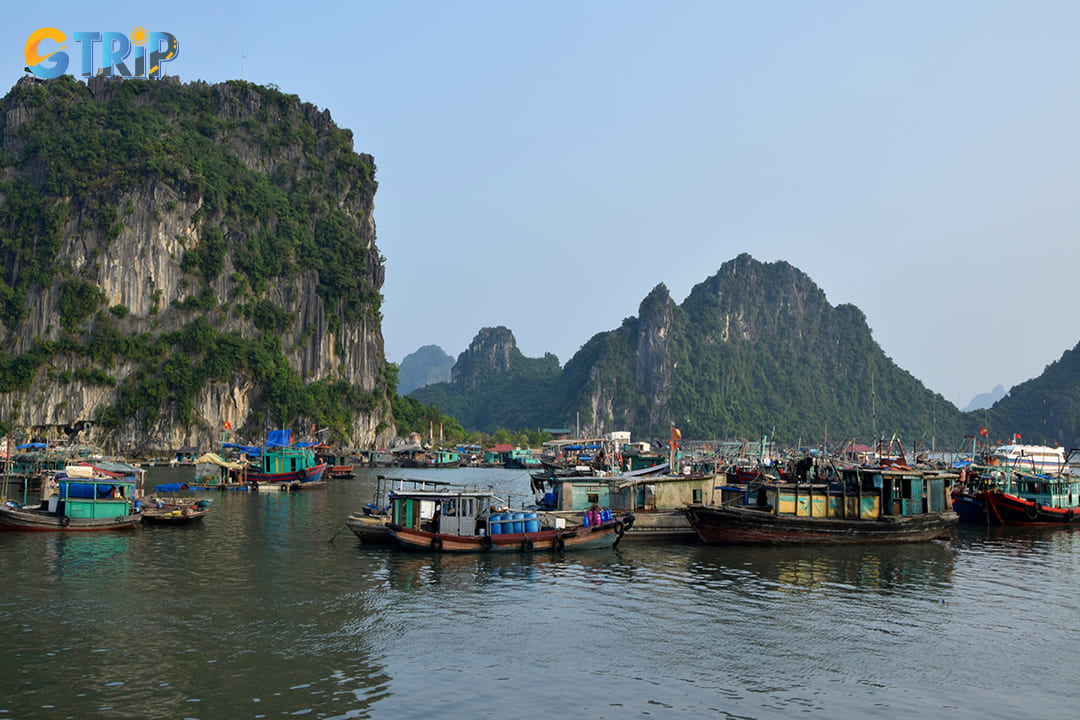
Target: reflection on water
pixel 256 614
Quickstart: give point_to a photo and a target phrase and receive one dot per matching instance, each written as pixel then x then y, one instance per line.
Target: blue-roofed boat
pixel 82 499
pixel 283 466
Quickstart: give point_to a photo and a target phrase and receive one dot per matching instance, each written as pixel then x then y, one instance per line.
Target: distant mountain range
pixel 985 400
pixel 754 350
pixel 429 364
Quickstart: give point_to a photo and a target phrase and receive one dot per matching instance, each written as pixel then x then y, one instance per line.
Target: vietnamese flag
pixel 227 425
pixel 1017 436
pixel 982 431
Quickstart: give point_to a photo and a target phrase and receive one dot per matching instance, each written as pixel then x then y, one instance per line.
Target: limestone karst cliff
pixel 755 349
pixel 176 257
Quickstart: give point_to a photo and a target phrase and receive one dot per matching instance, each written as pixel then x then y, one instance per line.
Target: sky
pixel 543 166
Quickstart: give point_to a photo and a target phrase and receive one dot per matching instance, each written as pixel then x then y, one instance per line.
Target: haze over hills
pixel 429 364
pixel 754 350
pixel 985 400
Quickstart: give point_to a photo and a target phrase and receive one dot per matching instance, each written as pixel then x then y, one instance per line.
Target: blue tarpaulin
pixel 279 438
pixel 31 446
pixel 249 449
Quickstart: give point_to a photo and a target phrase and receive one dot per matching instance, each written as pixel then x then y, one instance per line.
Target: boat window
pixel 697 495
pixel 593 498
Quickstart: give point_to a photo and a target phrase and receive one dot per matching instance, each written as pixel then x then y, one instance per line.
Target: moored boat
pixel 1029 458
pixel 284 467
pixel 467 521
pixel 370 527
pixel 430 459
pixel 183 514
pixel 992 496
pixel 83 501
pixel 864 505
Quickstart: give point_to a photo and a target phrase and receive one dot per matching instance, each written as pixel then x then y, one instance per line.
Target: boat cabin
pixel 661 491
pixel 863 493
pixel 1033 458
pixel 1055 492
pixel 459 512
pixel 280 460
pixel 93 497
pixel 577 493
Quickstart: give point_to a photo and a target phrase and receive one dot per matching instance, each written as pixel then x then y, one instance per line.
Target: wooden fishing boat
pixel 371 523
pixel 173 514
pixel 371 527
pixel 173 510
pixel 864 505
pixel 991 496
pixel 657 499
pixel 466 521
pixel 284 467
pixel 431 459
pixel 83 501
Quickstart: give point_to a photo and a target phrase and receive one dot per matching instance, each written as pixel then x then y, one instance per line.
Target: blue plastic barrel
pixel 495 524
pixel 532 523
pixel 519 525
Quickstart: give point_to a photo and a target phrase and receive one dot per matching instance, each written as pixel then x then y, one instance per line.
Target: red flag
pixel 676 434
pixel 982 431
pixel 1017 436
pixel 227 425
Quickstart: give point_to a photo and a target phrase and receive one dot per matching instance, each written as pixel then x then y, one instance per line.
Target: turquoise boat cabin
pixel 93 498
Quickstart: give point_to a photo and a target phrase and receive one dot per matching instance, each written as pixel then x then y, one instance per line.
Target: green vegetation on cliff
pixel 268 190
pixel 754 350
pixel 496 386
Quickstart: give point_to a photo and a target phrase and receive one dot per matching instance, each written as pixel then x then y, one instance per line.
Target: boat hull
pixel 1006 509
pixel 287 481
pixel 173 516
pixel 417 464
pixel 660 526
pixel 736 525
pixel 370 529
pixel 605 535
pixel 40 520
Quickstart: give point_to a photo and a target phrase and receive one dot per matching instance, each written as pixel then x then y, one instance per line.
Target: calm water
pixel 257 615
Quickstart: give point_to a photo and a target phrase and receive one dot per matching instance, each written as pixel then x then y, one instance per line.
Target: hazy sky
pixel 543 167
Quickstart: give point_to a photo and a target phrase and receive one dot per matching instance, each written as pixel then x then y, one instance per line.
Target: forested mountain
pixel 755 349
pixel 429 364
pixel 177 257
pixel 1045 409
pixel 493 385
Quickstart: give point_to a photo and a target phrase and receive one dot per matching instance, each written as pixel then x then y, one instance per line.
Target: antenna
pixel 873 403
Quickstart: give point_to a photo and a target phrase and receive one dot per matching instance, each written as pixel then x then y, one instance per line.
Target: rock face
pixel 491 351
pixel 755 349
pixel 494 385
pixel 226 231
